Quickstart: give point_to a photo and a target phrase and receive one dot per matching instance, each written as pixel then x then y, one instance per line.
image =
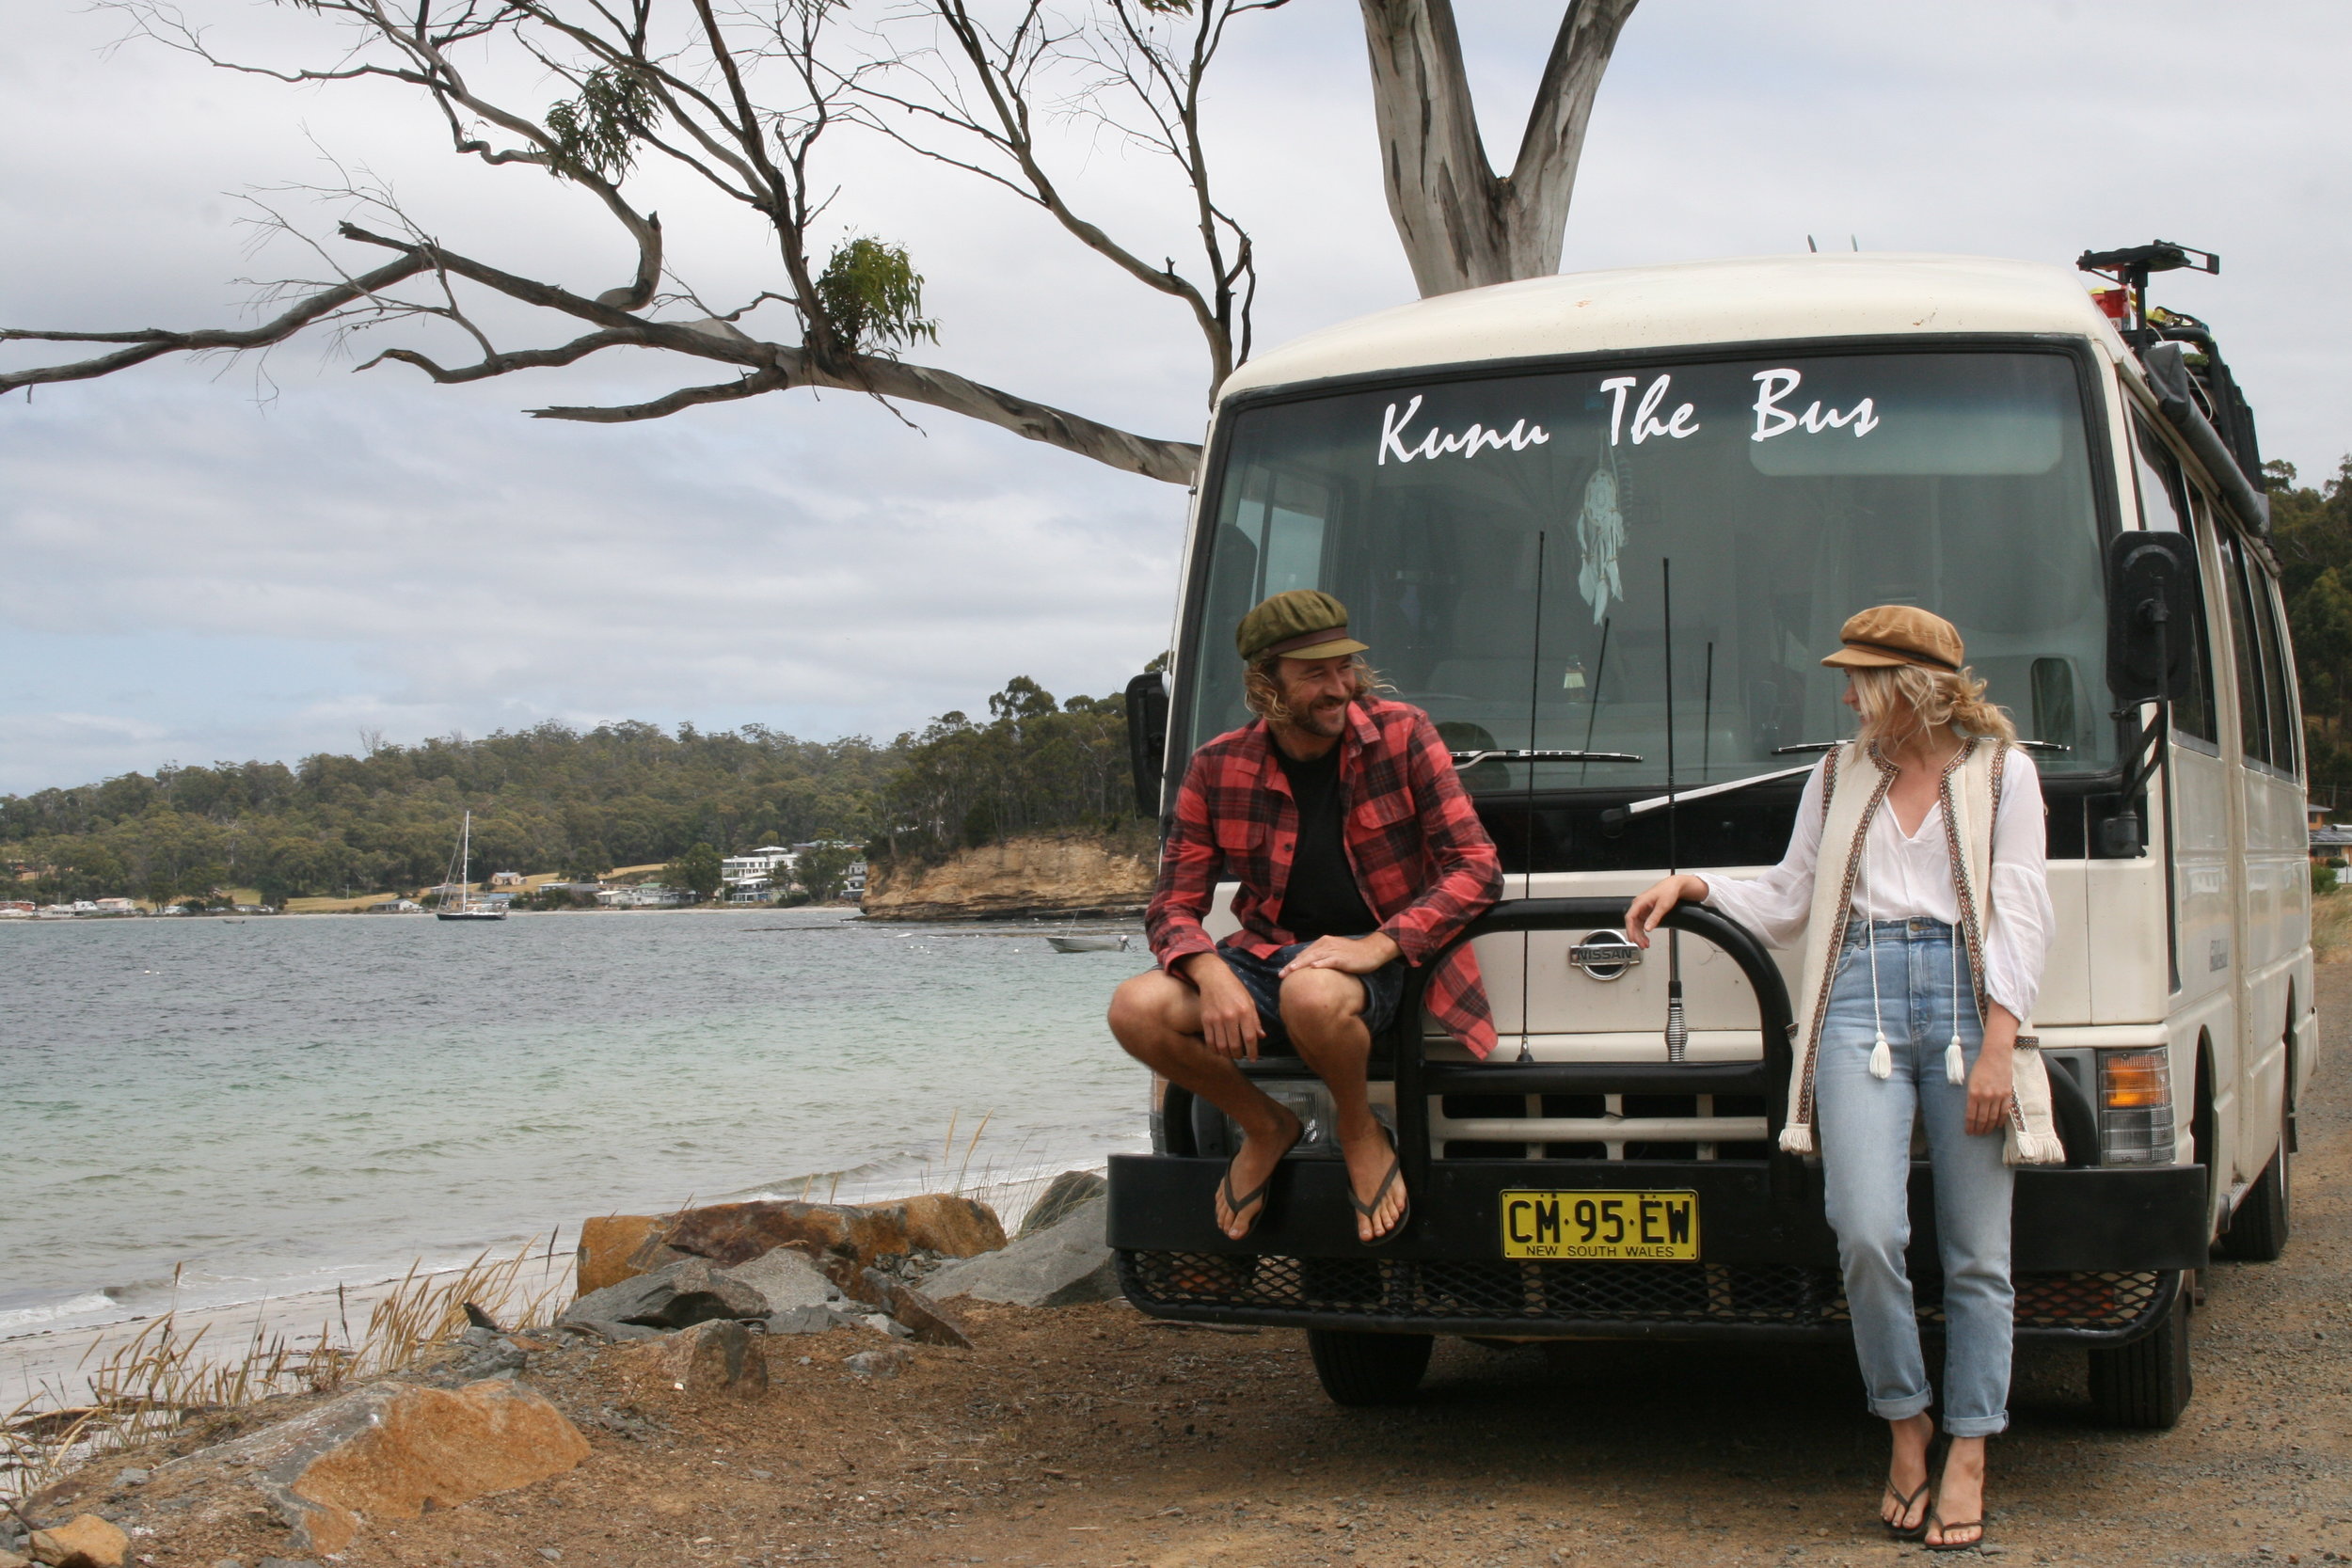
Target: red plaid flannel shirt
pixel 1422 858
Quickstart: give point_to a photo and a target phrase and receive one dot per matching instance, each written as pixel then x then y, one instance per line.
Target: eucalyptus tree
pixel 747 102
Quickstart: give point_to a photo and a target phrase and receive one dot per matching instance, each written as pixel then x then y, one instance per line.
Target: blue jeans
pixel 1865 1129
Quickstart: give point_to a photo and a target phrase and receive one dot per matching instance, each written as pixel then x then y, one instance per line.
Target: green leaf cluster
pixel 696 872
pixel 2311 530
pixel 872 296
pixel 1036 765
pixel 598 132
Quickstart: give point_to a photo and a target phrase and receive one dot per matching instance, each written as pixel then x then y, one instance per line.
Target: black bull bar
pixel 2097 1252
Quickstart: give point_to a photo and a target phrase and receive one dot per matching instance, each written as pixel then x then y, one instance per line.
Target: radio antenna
pixel 1707 717
pixel 1592 702
pixel 1677 1032
pixel 1527 845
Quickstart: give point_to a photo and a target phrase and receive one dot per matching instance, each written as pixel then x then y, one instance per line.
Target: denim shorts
pixel 1384 990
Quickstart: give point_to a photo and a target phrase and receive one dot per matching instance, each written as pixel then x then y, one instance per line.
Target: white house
pixel 757 866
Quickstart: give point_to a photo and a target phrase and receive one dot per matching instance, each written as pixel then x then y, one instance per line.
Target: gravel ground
pixel 1095 1436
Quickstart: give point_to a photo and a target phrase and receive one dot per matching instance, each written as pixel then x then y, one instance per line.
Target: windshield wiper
pixel 1471 759
pixel 1655 802
pixel 1833 745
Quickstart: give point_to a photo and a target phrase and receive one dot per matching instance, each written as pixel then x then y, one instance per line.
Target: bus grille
pixel 1495 1290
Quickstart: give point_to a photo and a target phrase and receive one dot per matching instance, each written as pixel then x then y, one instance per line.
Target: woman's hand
pixel 1643 915
pixel 1991 1079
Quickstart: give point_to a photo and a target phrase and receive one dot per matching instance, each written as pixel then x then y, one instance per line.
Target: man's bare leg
pixel 1156 1016
pixel 1324 1011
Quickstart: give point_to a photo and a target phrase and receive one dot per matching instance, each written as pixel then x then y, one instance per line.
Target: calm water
pixel 282 1104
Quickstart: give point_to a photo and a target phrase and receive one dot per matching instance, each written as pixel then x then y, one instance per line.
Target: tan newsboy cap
pixel 1892 634
pixel 1301 624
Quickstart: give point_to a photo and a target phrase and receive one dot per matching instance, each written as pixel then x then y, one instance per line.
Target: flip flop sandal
pixel 1936 1521
pixel 1903 1505
pixel 1257 1194
pixel 1903 1511
pixel 1396 1170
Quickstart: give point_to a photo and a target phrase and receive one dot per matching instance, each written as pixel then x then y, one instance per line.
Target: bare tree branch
pixel 1461 226
pixel 661 407
pixel 154 342
pixel 741 96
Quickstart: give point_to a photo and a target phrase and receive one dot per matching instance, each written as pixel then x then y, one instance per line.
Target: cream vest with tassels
pixel 1853 790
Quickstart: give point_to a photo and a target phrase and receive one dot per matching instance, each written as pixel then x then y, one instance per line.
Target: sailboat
pixel 468 908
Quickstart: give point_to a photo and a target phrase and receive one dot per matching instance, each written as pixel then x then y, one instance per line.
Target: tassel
pixel 2035 1148
pixel 1955 1065
pixel 1796 1139
pixel 1881 1060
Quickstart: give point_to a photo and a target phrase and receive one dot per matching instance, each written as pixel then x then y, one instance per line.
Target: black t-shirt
pixel 1321 899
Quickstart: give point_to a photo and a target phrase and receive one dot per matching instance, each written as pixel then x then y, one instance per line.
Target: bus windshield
pixel 1504 544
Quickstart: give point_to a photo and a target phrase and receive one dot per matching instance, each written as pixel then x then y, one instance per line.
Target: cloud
pixel 197 573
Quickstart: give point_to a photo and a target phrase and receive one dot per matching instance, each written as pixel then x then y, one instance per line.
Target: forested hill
pixel 553 799
pixel 548 798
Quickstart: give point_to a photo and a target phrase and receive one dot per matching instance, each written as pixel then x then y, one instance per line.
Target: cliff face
pixel 1037 873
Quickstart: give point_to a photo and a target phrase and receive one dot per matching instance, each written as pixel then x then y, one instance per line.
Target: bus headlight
pixel 2135 1108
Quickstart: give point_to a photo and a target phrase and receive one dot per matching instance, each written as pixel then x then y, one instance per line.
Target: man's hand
pixel 1229 1015
pixel 1991 1079
pixel 1349 955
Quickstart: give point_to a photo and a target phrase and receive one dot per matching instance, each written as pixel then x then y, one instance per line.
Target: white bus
pixel 1497 484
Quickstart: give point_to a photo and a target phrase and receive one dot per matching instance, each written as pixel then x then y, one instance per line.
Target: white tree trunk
pixel 1461 225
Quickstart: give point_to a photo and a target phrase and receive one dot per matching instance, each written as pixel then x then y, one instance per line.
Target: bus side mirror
pixel 2151 616
pixel 1147 739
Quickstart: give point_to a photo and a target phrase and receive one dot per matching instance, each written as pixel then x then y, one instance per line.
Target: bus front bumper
pixel 2097 1252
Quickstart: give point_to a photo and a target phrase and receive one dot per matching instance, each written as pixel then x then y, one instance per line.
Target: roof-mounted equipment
pixel 2193 386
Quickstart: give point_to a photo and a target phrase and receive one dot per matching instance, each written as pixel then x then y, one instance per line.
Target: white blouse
pixel 1903 877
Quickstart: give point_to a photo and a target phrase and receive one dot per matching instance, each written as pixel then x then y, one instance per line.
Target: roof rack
pixel 2214 392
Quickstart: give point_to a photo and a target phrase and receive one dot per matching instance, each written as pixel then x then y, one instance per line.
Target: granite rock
pixel 710 1358
pixel 787 1277
pixel 84 1541
pixel 843 1240
pixel 1062 1265
pixel 917 1313
pixel 679 1296
pixel 1069 1191
pixel 810 1319
pixel 606 1244
pixel 389 1451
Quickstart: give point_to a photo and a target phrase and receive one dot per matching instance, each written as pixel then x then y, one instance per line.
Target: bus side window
pixel 2163 507
pixel 2253 706
pixel 2275 666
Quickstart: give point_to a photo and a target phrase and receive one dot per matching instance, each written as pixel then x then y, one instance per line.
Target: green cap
pixel 1301 624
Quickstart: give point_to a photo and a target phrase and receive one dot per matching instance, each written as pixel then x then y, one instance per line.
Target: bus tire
pixel 2258 1228
pixel 2145 1384
pixel 1369 1369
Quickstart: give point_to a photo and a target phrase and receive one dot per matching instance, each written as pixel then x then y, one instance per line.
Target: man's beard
pixel 1328 716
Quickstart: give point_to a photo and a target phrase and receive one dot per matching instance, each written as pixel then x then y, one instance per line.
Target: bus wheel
pixel 2258 1229
pixel 2147 1383
pixel 1369 1369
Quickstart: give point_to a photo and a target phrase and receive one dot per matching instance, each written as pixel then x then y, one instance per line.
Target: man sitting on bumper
pixel 1357 853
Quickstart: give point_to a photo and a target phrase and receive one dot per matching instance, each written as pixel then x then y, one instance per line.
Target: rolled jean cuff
pixel 1903 1409
pixel 1976 1426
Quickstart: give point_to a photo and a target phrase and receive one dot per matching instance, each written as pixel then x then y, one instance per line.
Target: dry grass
pixel 2331 926
pixel 145 1387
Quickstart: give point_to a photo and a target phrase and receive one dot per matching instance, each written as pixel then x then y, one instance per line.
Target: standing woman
pixel 1915 879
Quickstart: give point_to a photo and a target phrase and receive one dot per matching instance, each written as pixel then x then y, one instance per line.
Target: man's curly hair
pixel 1261 687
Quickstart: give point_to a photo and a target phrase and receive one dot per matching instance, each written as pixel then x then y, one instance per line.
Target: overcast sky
pixel 224 561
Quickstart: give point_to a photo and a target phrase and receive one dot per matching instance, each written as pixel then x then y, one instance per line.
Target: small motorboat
pixel 1103 944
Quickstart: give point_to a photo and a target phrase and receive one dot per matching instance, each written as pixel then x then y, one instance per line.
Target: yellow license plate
pixel 1589 1225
